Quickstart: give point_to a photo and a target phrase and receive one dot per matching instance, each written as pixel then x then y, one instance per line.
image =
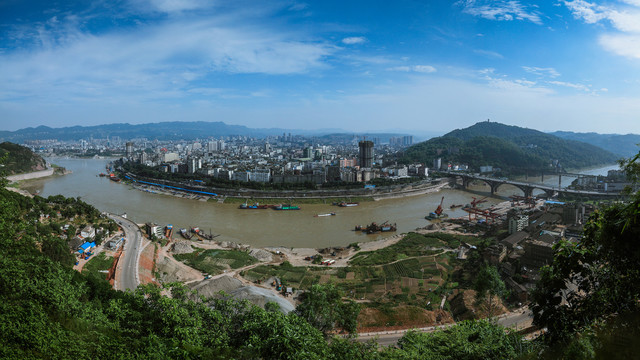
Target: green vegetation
pixel 467 340
pixel 412 245
pixel 97 265
pixel 508 148
pixel 20 159
pixel 323 308
pixel 589 295
pixel 216 261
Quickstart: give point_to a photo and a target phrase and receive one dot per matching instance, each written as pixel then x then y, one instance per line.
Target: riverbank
pixel 240 196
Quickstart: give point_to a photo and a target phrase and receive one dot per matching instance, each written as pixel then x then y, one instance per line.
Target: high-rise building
pixel 366 153
pixel 129 149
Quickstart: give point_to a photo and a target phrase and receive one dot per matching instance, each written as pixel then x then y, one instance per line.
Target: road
pixel 517 320
pixel 127 271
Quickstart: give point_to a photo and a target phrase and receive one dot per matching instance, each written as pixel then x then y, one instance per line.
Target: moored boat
pixel 245 206
pixel 286 207
pixel 185 234
pixel 327 214
pixel 348 204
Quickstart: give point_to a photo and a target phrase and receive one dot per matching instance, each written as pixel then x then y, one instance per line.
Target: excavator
pixel 437 213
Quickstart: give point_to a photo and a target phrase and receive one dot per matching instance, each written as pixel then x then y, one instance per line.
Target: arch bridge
pixel 527 188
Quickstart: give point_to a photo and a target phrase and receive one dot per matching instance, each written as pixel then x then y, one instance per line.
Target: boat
pixel 286 207
pixel 114 178
pixel 245 206
pixel 102 174
pixel 202 234
pixel 185 234
pixel 375 228
pixel 327 214
pixel 454 206
pixel 348 204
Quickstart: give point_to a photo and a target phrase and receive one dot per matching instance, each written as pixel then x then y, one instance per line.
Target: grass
pixel 298 277
pixel 96 264
pixel 216 261
pixel 296 201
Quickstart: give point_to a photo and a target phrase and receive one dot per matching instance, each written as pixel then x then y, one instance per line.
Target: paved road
pixel 128 266
pixel 517 320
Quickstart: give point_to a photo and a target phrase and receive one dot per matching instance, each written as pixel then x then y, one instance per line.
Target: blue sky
pixel 410 66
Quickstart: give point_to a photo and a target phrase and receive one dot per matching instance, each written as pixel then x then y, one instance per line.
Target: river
pixel 258 228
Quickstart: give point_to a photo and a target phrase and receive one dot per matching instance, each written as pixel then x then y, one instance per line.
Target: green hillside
pixel 20 159
pixel 624 145
pixel 514 149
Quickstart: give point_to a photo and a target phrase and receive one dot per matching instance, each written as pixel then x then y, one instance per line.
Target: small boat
pixel 454 206
pixel 375 228
pixel 185 234
pixel 286 207
pixel 327 214
pixel 348 204
pixel 245 206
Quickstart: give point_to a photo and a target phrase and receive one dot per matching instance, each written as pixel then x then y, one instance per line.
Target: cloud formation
pixel 541 72
pixel 162 58
pixel 354 40
pixel 624 19
pixel 501 10
pixel 415 68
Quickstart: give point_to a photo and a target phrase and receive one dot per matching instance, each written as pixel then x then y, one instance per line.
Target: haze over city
pixel 401 66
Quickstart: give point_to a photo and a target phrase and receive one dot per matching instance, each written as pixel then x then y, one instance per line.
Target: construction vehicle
pixel 437 213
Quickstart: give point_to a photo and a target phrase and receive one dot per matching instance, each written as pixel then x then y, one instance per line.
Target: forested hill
pixel 514 149
pixel 20 159
pixel 624 145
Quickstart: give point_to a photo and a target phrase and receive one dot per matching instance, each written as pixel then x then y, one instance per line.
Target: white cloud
pixel 488 53
pixel 542 72
pixel 354 40
pixel 172 6
pixel 624 19
pixel 581 87
pixel 151 61
pixel 622 44
pixel 415 68
pixel 501 10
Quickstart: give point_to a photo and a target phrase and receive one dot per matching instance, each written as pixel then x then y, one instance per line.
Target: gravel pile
pixel 182 247
pixel 212 287
pixel 261 254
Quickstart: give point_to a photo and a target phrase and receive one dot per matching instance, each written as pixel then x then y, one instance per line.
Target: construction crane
pixel 476 202
pixel 437 213
pixel 439 209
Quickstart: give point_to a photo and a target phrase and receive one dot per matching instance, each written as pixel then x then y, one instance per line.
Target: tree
pixel 597 279
pixel 322 306
pixel 487 285
pixel 475 339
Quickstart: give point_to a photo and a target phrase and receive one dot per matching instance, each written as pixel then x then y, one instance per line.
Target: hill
pixel 186 130
pixel 623 145
pixel 514 149
pixel 20 159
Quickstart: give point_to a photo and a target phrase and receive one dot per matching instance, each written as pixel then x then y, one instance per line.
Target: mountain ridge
pixel 514 149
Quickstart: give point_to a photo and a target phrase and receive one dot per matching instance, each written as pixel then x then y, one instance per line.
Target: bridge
pixel 526 187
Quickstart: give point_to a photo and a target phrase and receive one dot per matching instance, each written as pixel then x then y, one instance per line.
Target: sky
pixel 404 66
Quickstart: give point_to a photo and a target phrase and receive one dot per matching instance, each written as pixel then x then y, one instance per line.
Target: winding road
pixel 127 270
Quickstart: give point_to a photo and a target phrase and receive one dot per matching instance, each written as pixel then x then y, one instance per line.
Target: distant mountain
pixel 20 159
pixel 160 131
pixel 513 149
pixel 624 145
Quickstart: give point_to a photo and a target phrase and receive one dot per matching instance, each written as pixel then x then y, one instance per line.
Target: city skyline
pixel 407 67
